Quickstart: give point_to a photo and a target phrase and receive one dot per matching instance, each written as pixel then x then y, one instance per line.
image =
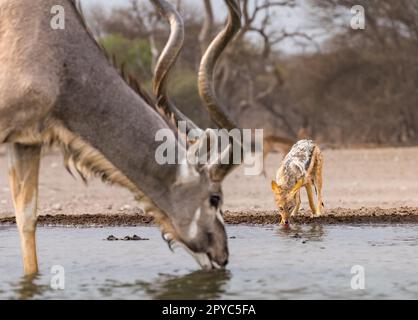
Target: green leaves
pixel 134 55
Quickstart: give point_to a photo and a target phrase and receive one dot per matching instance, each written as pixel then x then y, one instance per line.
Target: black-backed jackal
pixel 302 167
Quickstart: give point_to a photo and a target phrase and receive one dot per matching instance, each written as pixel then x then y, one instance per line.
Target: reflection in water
pixel 199 284
pixel 313 232
pixel 27 288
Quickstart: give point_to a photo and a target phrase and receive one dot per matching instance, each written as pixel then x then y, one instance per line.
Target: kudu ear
pixel 218 170
pixel 200 153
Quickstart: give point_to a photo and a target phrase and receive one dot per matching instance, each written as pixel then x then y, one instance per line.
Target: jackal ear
pixel 274 186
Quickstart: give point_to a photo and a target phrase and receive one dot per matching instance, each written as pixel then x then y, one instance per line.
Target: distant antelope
pixel 302 167
pixel 57 87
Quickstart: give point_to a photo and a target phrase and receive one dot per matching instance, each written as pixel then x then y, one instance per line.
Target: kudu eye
pixel 214 200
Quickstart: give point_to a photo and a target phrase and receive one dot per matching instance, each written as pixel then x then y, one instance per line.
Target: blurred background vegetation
pixel 356 87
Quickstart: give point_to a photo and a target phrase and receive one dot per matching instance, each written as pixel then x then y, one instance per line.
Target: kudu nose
pixel 221 259
pixel 224 262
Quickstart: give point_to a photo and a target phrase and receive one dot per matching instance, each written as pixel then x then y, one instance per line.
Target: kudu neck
pixel 98 105
pixel 107 114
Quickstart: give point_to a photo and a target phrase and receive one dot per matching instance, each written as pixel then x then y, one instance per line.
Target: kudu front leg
pixel 23 175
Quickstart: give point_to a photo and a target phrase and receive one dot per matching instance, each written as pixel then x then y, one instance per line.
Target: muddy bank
pixel 333 216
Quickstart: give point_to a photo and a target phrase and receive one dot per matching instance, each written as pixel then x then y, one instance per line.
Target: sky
pixel 292 20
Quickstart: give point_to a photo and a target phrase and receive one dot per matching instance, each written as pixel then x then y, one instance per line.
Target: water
pixel 266 263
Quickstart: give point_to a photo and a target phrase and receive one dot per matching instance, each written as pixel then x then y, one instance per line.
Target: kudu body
pixel 57 86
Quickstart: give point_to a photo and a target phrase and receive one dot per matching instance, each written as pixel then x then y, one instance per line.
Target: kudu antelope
pixel 57 87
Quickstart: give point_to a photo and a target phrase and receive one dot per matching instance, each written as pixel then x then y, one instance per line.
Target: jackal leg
pixel 297 207
pixel 23 175
pixel 317 177
pixel 309 191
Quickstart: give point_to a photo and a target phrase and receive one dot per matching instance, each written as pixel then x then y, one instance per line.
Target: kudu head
pixel 195 210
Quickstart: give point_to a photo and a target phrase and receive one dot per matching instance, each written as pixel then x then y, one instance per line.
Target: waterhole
pixel 268 262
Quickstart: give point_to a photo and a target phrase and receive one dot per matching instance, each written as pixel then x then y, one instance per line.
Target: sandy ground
pixel 353 179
